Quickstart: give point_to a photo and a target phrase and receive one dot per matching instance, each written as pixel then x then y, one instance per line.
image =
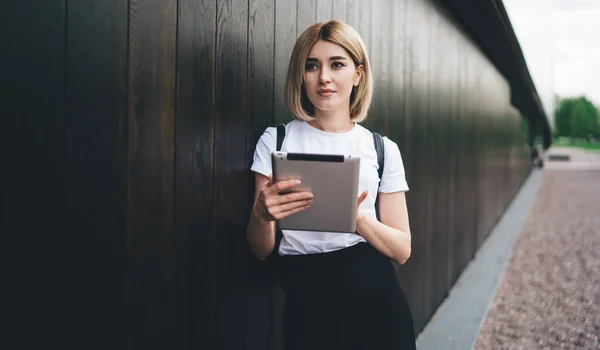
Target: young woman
pixel 341 288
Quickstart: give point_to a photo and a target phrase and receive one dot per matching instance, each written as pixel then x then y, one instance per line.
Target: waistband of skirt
pixel 341 256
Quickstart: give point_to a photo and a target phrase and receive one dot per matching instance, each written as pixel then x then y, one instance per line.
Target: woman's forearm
pixel 261 236
pixel 392 242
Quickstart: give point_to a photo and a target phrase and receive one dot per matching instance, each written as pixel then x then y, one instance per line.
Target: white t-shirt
pixel 301 137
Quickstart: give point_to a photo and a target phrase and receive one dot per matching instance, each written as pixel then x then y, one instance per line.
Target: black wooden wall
pixel 136 122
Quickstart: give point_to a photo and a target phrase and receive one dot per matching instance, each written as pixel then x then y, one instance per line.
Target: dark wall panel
pixel 230 172
pixel 286 20
pixel 261 59
pixel 33 110
pixel 438 207
pixel 194 166
pixel 148 112
pixel 96 124
pixel 151 250
pixel 286 32
pixel 415 151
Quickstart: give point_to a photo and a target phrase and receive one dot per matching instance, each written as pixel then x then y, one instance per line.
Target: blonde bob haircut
pixel 343 35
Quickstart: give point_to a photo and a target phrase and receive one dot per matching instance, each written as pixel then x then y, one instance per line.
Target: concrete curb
pixel 457 321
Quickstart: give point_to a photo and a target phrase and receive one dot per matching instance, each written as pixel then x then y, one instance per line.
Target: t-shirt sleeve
pixel 262 154
pixel 394 177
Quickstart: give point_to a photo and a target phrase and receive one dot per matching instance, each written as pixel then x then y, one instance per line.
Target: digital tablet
pixel 333 179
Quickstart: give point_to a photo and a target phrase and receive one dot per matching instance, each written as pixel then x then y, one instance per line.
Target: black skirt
pixel 346 299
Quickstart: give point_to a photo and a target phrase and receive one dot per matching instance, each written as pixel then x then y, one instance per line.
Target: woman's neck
pixel 334 121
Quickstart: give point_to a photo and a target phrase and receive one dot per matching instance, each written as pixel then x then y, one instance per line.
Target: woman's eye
pixel 311 66
pixel 338 65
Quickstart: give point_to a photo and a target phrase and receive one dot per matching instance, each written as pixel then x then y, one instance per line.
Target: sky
pixel 560 40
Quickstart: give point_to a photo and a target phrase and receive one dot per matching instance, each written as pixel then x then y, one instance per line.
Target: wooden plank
pixel 324 10
pixel 286 13
pixel 306 15
pixel 445 200
pixel 382 122
pixel 230 173
pixel 435 137
pixel 466 176
pixel 97 154
pixel 473 154
pixel 463 170
pixel 151 243
pixel 374 52
pixel 412 277
pixel 427 152
pixel 396 71
pixel 353 14
pixel 442 150
pixel 33 56
pixel 261 57
pixel 476 154
pixel 364 24
pixel 285 38
pixel 364 29
pixel 454 209
pixel 423 151
pixel 194 166
pixel 407 272
pixel 340 10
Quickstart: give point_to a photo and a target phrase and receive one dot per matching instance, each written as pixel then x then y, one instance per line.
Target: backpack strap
pixel 280 136
pixel 380 149
pixel 278 233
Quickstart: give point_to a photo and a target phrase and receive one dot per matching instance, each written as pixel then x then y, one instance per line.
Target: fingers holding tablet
pixel 272 205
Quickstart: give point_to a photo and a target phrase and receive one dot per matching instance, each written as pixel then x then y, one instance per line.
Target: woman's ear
pixel 358 74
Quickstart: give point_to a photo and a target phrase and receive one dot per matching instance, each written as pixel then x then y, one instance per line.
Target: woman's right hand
pixel 270 205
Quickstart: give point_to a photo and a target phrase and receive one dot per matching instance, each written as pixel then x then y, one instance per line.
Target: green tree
pixel 576 118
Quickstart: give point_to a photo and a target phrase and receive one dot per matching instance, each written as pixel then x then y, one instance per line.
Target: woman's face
pixel 329 76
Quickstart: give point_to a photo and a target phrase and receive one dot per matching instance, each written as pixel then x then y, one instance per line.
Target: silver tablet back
pixel 334 181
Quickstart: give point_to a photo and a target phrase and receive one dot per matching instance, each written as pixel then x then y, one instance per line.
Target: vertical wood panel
pixel 261 56
pixel 353 14
pixel 286 18
pixel 194 166
pixel 324 10
pixel 97 154
pixel 454 209
pixel 400 103
pixel 474 133
pixel 340 10
pixel 376 36
pixel 437 138
pixel 230 172
pixel 34 61
pixel 285 38
pixel 414 266
pixel 151 241
pixel 427 130
pixel 364 23
pixel 464 175
pixel 397 55
pixel 307 15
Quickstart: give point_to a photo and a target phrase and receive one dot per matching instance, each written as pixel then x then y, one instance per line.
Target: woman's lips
pixel 326 93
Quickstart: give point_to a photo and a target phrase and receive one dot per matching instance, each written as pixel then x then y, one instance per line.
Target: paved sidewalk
pixel 579 159
pixel 544 293
pixel 549 296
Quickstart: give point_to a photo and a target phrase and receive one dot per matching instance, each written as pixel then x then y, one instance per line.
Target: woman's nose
pixel 324 76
